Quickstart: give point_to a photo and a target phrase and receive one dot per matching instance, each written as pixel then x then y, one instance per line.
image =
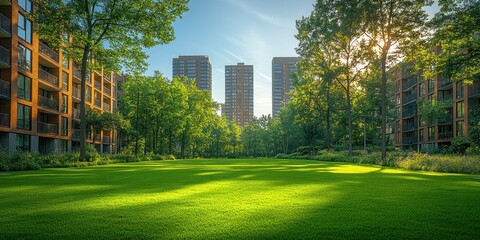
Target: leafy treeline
pixel 174 118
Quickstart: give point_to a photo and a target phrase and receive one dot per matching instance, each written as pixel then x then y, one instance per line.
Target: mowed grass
pixel 238 199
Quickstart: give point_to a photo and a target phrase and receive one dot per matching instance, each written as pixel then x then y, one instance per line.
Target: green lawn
pixel 275 199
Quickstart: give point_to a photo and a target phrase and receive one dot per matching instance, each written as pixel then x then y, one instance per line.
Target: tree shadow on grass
pixel 239 199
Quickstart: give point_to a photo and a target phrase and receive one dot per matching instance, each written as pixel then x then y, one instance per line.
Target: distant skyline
pixel 235 31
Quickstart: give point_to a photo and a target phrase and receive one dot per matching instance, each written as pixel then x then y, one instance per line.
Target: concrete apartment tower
pixel 239 93
pixel 40 90
pixel 194 67
pixel 282 69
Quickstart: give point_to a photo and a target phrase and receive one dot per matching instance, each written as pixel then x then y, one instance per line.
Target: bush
pixel 441 163
pixel 459 145
pixel 171 157
pixel 19 162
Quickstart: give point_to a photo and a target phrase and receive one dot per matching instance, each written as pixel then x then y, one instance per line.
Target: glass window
pixel 23 142
pixel 25 5
pixel 460 129
pixel 63 146
pixel 431 133
pixel 65 62
pixel 460 109
pixel 24 28
pixel 24 115
pixel 24 87
pixel 64 126
pixel 64 103
pixel 431 85
pixel 421 88
pixel 65 81
pixel 24 58
pixel 459 87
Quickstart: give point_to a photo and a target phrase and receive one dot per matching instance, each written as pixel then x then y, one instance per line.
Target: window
pixel 65 81
pixel 24 87
pixel 431 133
pixel 431 85
pixel 23 142
pixel 422 136
pixel 25 5
pixel 64 103
pixel 421 88
pixel 459 86
pixel 460 129
pixel 24 28
pixel 24 115
pixel 460 109
pixel 65 62
pixel 64 129
pixel 24 58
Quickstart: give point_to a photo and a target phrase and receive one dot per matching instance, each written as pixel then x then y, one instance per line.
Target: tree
pixel 111 32
pixel 392 25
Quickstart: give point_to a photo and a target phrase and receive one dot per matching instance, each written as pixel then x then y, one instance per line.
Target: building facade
pixel 455 99
pixel 40 90
pixel 282 70
pixel 239 93
pixel 194 67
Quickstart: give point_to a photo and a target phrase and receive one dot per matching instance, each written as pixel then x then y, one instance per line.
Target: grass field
pixel 238 199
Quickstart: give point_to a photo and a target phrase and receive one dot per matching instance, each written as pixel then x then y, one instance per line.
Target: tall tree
pixel 113 32
pixel 392 25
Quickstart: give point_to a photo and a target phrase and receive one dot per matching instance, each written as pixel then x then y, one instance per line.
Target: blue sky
pixel 232 31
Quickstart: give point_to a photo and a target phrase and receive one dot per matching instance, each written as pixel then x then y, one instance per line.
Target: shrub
pixel 459 145
pixel 441 163
pixel 171 157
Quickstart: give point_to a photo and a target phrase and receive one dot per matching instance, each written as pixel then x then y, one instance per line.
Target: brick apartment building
pixel 40 90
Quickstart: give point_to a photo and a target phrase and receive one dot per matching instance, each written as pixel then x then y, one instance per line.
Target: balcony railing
pixel 445 135
pixel 4 89
pixel 474 91
pixel 4 119
pixel 76 93
pixel 409 126
pixel 408 99
pixel 47 103
pixel 76 134
pixel 5 24
pixel 47 77
pixel 76 113
pixel 77 73
pixel 409 83
pixel 4 56
pixel 409 113
pixel 106 90
pixel 45 50
pixel 97 85
pixel 47 128
pixel 106 107
pixel 97 102
pixel 107 77
pixel 106 140
pixel 445 97
pixel 409 140
pixel 445 83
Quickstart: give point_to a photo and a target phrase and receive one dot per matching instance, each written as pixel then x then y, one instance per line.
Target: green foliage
pixel 441 163
pixel 459 145
pixel 19 162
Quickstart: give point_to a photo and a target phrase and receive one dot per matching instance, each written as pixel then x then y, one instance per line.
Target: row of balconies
pixel 105 140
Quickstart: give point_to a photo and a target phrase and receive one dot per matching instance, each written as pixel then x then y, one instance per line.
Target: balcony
pixel 48 52
pixel 76 114
pixel 47 103
pixel 445 84
pixel 106 107
pixel 4 120
pixel 4 89
pixel 445 135
pixel 97 103
pixel 5 26
pixel 409 113
pixel 409 126
pixel 4 57
pixel 409 83
pixel 48 128
pixel 409 140
pixel 107 78
pixel 106 140
pixel 106 90
pixel 76 134
pixel 97 85
pixel 76 93
pixel 77 73
pixel 474 91
pixel 446 119
pixel 408 99
pixel 445 97
pixel 97 137
pixel 47 77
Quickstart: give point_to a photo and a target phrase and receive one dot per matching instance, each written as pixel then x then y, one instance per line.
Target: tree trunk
pixel 136 120
pixel 83 123
pixel 349 115
pixel 329 127
pixel 384 107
